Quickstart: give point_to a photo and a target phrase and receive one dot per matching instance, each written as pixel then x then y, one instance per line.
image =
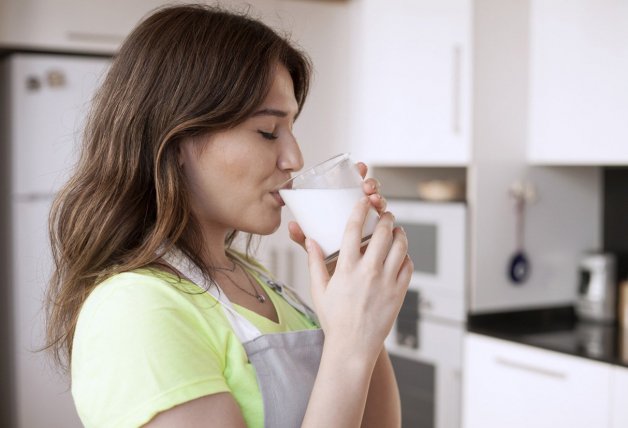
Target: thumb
pixel 319 277
pixel 296 233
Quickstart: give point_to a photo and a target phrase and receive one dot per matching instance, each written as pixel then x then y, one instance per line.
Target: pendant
pixel 261 298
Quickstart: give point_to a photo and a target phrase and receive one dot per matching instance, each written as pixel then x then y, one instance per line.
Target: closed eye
pixel 268 135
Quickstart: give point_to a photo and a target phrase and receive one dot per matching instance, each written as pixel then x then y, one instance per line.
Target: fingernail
pixel 372 186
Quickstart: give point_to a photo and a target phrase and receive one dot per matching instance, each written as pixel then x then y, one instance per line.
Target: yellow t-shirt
pixel 146 342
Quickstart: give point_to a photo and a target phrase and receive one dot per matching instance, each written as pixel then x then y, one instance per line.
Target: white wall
pixel 564 222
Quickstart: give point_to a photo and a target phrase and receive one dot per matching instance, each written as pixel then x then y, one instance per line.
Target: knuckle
pixel 386 220
pixel 374 270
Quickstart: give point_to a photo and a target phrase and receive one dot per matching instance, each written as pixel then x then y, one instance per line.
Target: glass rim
pixel 338 158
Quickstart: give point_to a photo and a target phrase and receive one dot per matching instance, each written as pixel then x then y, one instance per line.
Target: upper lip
pixel 285 184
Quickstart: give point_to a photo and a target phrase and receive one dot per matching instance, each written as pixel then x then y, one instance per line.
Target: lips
pixel 278 198
pixel 287 184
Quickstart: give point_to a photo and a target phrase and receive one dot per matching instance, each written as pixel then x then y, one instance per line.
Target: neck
pixel 215 254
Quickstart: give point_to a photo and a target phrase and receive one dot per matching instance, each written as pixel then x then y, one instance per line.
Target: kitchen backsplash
pixel 615 220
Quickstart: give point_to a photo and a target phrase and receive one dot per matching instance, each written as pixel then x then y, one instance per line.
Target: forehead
pixel 281 93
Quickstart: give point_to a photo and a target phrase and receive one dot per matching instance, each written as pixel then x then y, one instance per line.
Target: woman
pixel 164 324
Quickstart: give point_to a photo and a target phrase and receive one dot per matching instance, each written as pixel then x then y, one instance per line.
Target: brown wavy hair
pixel 184 71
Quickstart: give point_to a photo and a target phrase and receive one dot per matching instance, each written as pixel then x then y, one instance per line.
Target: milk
pixel 323 214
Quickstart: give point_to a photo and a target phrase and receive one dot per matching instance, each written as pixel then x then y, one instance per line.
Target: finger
pixel 296 233
pixel 371 186
pixel 362 168
pixel 405 273
pixel 397 254
pixel 319 277
pixel 379 203
pixel 352 238
pixel 381 241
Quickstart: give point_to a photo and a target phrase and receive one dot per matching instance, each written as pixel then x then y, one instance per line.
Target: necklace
pixel 260 297
pixel 229 269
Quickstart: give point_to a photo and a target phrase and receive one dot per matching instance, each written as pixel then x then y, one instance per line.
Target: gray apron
pixel 286 364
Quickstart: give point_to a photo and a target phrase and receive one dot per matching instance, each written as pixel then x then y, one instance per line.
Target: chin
pixel 272 228
pixel 266 225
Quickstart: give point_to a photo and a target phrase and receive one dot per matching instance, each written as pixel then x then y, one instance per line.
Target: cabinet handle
pixel 526 367
pixel 456 88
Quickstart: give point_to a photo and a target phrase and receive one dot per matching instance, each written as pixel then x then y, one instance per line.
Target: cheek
pixel 250 166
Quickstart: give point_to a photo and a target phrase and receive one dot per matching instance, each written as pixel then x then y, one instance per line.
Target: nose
pixel 290 157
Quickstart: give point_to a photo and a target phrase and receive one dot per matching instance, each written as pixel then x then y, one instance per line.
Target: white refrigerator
pixel 44 102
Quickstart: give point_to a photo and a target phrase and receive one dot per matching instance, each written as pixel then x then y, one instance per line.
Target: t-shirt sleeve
pixel 141 347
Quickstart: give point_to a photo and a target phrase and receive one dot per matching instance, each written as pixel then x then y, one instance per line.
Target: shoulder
pixel 140 290
pixel 147 282
pixel 145 342
pixel 146 301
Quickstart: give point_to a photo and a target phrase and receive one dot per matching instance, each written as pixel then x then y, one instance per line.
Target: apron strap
pixel 243 328
pixel 289 294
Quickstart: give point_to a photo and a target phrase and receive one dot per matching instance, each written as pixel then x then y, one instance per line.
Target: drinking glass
pixel 321 200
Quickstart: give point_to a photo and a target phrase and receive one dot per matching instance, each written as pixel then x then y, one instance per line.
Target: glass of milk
pixel 321 200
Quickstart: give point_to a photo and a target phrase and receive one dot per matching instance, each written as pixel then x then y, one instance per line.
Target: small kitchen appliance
pixel 597 288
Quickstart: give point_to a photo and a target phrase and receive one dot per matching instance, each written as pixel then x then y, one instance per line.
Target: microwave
pixel 437 245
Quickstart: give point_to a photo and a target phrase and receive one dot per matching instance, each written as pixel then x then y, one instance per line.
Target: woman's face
pixel 232 175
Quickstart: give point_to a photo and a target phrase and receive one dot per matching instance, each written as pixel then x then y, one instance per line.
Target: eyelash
pixel 268 135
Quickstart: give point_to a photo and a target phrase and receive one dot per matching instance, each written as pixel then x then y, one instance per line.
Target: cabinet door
pixel 512 385
pixel 578 85
pixel 412 82
pixel 76 25
pixel 42 397
pixel 50 96
pixel 619 418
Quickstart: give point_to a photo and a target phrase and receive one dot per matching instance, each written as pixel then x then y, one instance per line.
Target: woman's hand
pixel 358 304
pixel 371 189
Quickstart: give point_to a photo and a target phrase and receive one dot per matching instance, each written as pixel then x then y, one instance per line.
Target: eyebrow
pixel 271 112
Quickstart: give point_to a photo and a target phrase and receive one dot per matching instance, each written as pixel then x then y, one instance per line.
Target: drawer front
pixel 619 417
pixel 514 385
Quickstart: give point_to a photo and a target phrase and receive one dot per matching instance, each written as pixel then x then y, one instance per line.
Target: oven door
pixel 426 355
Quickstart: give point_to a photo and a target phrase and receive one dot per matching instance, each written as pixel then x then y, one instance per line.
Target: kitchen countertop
pixel 556 329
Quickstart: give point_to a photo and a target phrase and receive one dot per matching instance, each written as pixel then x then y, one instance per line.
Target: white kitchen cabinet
pixel 512 385
pixel 48 144
pixel 36 380
pixel 578 88
pixel 70 25
pixel 619 417
pixel 47 97
pixel 412 81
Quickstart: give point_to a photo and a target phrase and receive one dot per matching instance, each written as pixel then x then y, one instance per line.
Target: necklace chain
pixel 225 269
pixel 260 297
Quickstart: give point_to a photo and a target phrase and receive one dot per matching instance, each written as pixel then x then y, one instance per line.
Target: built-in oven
pixel 425 344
